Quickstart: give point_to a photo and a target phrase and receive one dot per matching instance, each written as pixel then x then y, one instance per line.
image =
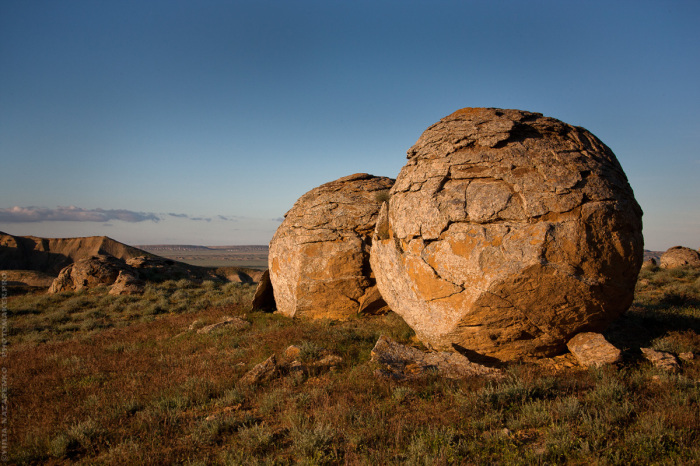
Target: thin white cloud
pixel 34 214
pixel 72 214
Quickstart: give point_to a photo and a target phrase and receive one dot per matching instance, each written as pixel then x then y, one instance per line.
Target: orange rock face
pixel 319 256
pixel 507 233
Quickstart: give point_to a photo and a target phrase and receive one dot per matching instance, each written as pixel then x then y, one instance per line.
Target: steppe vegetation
pixel 100 379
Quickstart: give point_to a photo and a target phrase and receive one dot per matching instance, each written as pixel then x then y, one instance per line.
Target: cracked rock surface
pixel 319 256
pixel 507 233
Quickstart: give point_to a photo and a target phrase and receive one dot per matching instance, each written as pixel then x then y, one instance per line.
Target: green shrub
pixel 382 196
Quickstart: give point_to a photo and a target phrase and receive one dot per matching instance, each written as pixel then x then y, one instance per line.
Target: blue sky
pixel 168 121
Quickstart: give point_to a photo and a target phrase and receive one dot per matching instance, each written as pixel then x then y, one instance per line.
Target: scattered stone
pixel 261 373
pixel 593 350
pixel 127 284
pixel 687 356
pixel 506 233
pixel 679 256
pixel 292 351
pixel 562 362
pixel 404 362
pixel 661 359
pixel 372 302
pixel 264 298
pixel 329 361
pixel 297 366
pixel 88 273
pixel 195 324
pixel 319 256
pixel 235 322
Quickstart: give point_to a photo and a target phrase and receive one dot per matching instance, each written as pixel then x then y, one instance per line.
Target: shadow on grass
pixel 667 301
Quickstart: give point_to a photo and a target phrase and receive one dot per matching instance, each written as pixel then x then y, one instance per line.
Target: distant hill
pixel 195 248
pixel 247 256
pixel 50 255
pixel 652 255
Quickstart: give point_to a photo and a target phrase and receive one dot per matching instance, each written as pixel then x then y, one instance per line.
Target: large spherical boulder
pixel 679 256
pixel 319 256
pixel 507 233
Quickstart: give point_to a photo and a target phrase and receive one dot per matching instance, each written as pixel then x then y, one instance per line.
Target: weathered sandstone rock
pixel 88 273
pixel 261 373
pixel 680 256
pixel 592 350
pixel 661 359
pixel 233 322
pixel 403 362
pixel 127 284
pixel 319 256
pixel 507 233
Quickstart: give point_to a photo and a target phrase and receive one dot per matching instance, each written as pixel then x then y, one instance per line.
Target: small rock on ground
pixel 238 324
pixel 404 362
pixel 661 359
pixel 593 350
pixel 261 372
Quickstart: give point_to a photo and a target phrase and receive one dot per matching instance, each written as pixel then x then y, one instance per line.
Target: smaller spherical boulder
pixel 319 256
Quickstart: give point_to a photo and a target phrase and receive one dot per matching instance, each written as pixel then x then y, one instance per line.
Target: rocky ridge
pixel 50 255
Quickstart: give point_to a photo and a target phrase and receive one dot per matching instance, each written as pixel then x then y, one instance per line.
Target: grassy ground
pixel 96 379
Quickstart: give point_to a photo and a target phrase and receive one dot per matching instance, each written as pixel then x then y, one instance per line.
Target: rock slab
pixel 661 359
pixel 593 350
pixel 261 373
pixel 319 256
pixel 507 233
pixel 127 283
pixel 233 322
pixel 404 362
